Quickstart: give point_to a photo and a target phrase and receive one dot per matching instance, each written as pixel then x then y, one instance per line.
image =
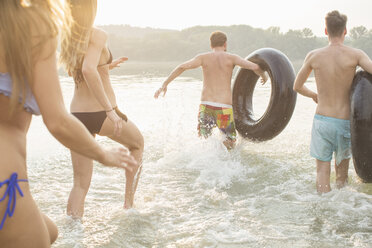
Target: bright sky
pixel 180 14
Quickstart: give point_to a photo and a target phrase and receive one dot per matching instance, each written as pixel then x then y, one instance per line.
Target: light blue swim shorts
pixel 330 135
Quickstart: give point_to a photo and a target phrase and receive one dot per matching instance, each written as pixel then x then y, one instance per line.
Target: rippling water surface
pixel 194 193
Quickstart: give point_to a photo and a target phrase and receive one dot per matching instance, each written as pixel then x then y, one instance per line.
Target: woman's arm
pixel 63 126
pixel 92 56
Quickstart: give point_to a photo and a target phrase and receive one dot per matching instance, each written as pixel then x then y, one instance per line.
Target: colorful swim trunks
pixel 330 135
pixel 219 115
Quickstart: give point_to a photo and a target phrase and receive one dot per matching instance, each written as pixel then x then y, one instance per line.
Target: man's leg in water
pixel 342 173
pixel 323 173
pixel 229 143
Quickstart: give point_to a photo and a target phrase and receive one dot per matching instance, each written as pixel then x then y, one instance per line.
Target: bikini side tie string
pixel 11 191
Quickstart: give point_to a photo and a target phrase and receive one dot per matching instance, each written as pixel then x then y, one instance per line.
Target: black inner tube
pixel 361 125
pixel 282 100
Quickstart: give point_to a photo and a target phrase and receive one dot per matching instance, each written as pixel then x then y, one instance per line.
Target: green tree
pixel 307 33
pixel 274 30
pixel 358 32
pixel 161 45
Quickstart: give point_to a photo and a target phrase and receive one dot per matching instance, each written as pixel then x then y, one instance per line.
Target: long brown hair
pixel 75 40
pixel 22 39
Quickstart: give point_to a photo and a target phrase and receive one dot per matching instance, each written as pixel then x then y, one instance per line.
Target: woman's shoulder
pixel 98 35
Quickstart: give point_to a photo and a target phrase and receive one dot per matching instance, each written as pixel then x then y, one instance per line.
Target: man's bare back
pixel 334 68
pixel 218 67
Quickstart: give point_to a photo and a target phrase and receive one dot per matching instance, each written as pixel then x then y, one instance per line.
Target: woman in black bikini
pixel 86 57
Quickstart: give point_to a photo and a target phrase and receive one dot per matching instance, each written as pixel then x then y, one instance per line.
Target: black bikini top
pixel 109 60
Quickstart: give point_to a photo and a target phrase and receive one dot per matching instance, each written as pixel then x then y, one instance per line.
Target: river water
pixel 195 193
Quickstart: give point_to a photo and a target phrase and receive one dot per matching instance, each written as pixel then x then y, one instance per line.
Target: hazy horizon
pixel 286 14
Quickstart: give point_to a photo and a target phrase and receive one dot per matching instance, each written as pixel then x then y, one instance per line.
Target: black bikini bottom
pixel 93 121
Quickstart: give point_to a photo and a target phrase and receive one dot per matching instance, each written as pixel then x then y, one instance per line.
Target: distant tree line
pixel 148 44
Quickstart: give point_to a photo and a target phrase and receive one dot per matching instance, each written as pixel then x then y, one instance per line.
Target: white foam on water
pixel 194 192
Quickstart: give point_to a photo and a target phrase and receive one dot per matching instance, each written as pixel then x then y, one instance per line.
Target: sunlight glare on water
pixel 194 193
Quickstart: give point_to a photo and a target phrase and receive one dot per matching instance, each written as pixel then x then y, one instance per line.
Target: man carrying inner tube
pixel 216 98
pixel 334 69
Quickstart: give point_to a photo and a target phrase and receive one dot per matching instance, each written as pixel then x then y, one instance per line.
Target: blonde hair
pixel 75 40
pixel 22 39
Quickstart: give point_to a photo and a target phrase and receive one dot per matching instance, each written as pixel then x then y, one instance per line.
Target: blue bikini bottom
pixel 11 192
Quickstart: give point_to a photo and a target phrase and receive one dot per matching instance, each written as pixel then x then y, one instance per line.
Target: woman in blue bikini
pixel 29 86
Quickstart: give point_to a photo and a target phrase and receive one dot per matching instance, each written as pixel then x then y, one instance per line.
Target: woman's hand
pixel 116 63
pixel 118 122
pixel 119 157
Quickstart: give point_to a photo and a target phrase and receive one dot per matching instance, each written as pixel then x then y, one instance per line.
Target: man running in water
pixel 216 98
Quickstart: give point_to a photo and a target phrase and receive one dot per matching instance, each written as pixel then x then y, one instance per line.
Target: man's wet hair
pixel 218 39
pixel 335 23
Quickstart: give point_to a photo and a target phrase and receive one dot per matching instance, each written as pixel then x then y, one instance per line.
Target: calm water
pixel 194 193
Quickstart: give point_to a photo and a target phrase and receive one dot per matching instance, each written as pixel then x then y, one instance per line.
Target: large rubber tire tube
pixel 282 100
pixel 361 125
